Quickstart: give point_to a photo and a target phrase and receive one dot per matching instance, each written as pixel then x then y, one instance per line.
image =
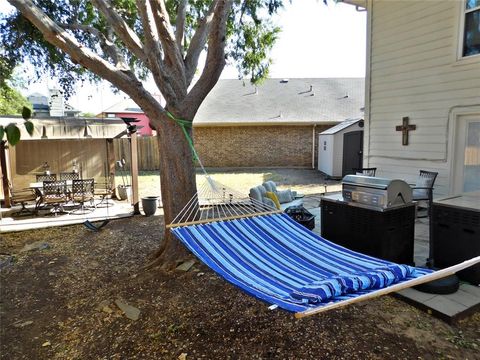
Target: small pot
pixel 150 205
pixel 124 192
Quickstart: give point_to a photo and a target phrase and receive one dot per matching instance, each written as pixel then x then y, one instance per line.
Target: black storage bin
pixel 302 216
pixel 387 234
pixel 456 238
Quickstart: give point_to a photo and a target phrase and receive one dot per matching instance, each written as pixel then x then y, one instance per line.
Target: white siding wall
pixel 413 71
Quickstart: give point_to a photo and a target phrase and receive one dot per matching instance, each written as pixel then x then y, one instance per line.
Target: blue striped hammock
pixel 281 262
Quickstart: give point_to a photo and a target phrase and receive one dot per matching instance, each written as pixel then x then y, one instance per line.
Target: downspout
pixel 368 77
pixel 313 146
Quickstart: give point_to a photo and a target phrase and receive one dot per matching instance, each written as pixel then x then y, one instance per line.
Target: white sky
pixel 316 41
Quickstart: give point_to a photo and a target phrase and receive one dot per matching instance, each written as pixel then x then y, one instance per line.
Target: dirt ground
pixel 58 302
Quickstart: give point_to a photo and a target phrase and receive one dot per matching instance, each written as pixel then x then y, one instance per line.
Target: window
pixel 471 28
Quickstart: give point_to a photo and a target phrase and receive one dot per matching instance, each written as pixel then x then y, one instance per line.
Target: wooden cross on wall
pixel 405 128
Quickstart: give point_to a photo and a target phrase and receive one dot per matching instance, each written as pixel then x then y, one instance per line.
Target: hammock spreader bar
pixel 281 262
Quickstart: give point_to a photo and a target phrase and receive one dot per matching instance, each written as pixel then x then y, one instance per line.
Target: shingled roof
pixel 283 101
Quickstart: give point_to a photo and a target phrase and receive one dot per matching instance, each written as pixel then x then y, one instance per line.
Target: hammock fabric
pixel 281 262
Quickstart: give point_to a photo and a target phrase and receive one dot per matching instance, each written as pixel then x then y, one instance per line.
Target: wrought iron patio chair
pixel 46 177
pixel 55 194
pixel 365 171
pixel 422 190
pixel 82 192
pixel 23 197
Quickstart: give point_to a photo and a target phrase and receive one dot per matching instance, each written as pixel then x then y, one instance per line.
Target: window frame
pixel 461 38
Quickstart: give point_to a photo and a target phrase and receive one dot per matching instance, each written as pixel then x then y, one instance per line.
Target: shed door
pixel 352 151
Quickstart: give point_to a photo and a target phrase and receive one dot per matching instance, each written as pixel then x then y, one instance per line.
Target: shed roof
pixel 282 101
pixel 68 127
pixel 339 127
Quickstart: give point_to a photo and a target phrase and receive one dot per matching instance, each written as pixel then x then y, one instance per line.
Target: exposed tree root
pixel 169 254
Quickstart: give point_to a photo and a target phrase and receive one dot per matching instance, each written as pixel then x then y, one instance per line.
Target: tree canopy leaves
pixel 250 36
pixel 13 131
pixel 11 101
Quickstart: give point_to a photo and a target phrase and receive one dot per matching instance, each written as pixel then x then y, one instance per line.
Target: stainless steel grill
pixel 374 192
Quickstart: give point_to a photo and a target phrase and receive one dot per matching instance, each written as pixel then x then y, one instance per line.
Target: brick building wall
pixel 256 146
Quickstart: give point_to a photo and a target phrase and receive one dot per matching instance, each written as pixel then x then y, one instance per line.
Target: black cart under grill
pixel 373 216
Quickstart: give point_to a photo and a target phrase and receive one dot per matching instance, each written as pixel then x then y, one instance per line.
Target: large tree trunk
pixel 177 183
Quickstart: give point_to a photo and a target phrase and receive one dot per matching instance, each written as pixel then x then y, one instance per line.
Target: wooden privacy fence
pixel 148 153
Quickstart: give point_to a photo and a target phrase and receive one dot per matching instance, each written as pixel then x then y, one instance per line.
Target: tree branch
pixel 154 51
pixel 54 34
pixel 172 55
pixel 180 24
pixel 198 43
pixel 106 43
pixel 242 12
pixel 122 30
pixel 215 61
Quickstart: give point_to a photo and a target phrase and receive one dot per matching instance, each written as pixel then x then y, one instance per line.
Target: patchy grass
pixel 303 180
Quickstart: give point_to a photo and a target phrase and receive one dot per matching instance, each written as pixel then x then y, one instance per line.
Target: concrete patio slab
pixel 118 209
pixel 450 308
pixel 473 290
pixel 416 295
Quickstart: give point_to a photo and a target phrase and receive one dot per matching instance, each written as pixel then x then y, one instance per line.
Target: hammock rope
pixel 213 201
pixel 216 202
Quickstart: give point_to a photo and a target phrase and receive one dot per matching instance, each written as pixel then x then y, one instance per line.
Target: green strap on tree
pixel 184 124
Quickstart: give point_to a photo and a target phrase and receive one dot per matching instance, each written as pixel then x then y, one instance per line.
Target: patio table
pixel 39 185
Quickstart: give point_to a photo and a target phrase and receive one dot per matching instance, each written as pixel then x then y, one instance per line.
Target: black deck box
pixel 387 234
pixel 456 237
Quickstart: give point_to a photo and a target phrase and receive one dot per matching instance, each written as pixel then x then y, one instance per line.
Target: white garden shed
pixel 340 148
